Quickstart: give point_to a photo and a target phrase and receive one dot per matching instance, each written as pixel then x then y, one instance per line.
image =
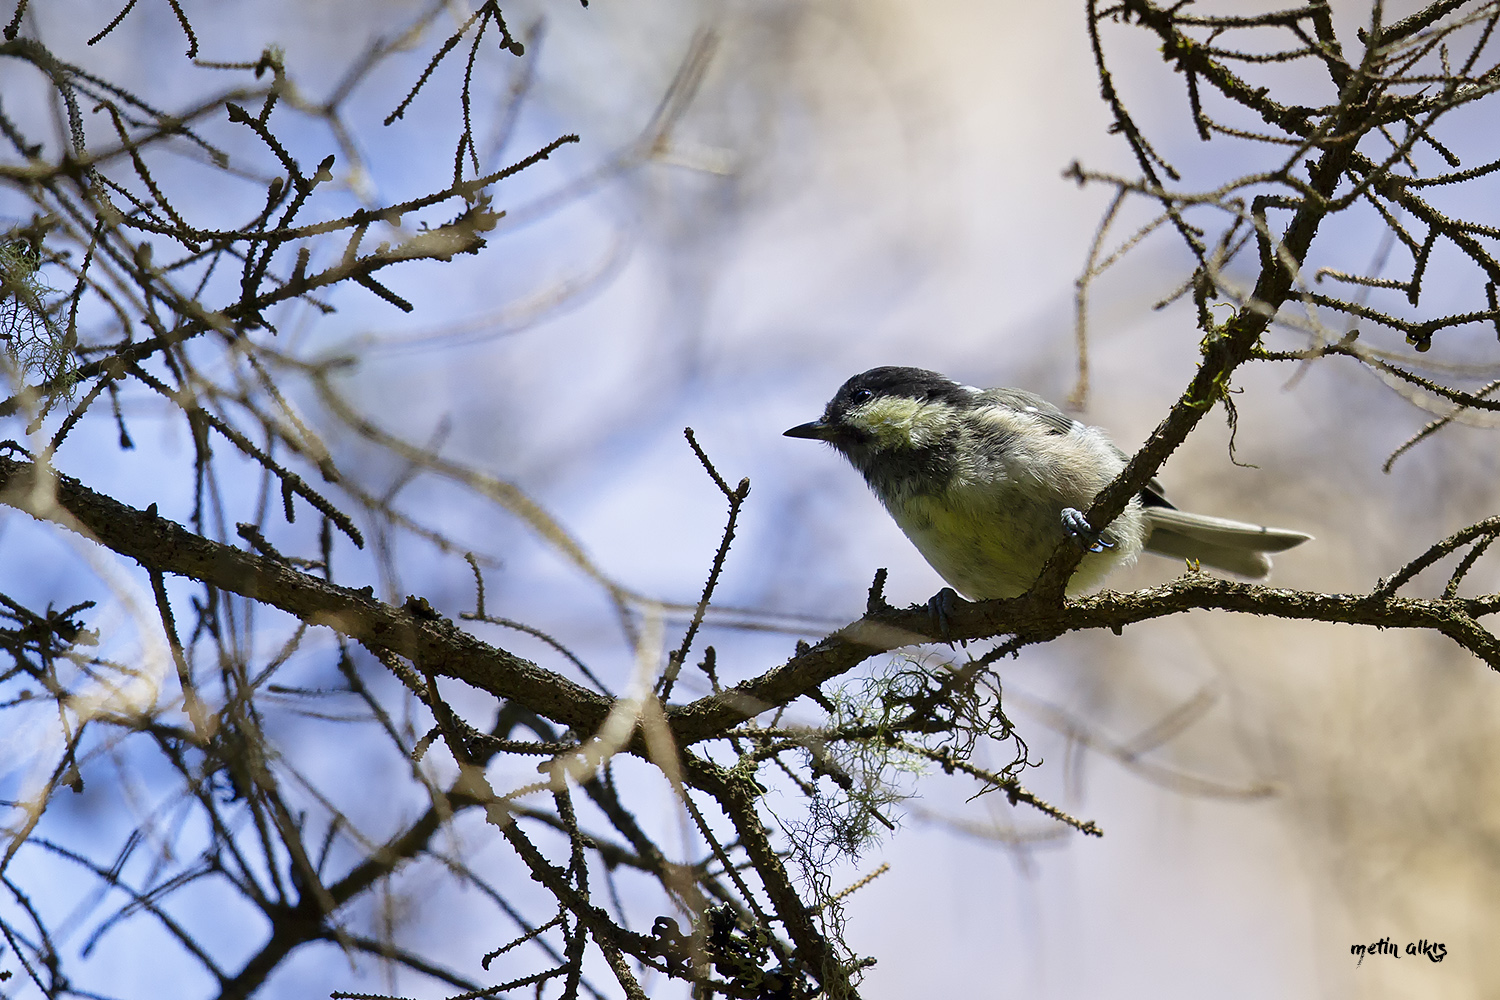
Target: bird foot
pixel 1077 527
pixel 940 608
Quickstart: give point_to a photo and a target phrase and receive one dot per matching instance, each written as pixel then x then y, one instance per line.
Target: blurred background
pixel 840 185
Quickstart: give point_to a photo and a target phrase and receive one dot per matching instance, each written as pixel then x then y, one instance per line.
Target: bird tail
pixel 1233 546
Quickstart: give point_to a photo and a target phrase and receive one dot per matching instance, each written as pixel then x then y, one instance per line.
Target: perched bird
pixel 987 483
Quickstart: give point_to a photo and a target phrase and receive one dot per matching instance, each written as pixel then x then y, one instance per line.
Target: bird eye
pixel 861 395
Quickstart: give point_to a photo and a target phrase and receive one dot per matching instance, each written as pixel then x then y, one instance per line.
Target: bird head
pixel 889 409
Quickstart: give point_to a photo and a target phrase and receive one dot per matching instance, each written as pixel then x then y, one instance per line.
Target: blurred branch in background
pixel 188 685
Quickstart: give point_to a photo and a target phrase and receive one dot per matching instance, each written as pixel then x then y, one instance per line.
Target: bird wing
pixel 1059 422
pixel 1022 401
pixel 1229 545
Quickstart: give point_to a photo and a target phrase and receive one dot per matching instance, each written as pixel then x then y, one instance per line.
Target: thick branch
pixel 438 645
pixel 1037 619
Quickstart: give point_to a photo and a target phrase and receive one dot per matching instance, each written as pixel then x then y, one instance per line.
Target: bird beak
pixel 817 430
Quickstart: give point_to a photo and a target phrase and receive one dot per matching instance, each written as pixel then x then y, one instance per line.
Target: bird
pixel 988 483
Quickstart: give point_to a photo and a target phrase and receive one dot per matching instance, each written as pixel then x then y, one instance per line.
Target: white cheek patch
pixel 896 421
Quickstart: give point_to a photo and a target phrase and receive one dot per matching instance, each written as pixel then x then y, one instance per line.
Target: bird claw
pixel 1077 528
pixel 940 608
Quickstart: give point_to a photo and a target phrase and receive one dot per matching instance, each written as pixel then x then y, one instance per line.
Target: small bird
pixel 987 483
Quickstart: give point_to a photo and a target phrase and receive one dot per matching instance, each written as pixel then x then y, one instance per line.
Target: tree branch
pixel 165 546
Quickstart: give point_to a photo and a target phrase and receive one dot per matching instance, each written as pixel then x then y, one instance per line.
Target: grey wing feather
pixel 1026 402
